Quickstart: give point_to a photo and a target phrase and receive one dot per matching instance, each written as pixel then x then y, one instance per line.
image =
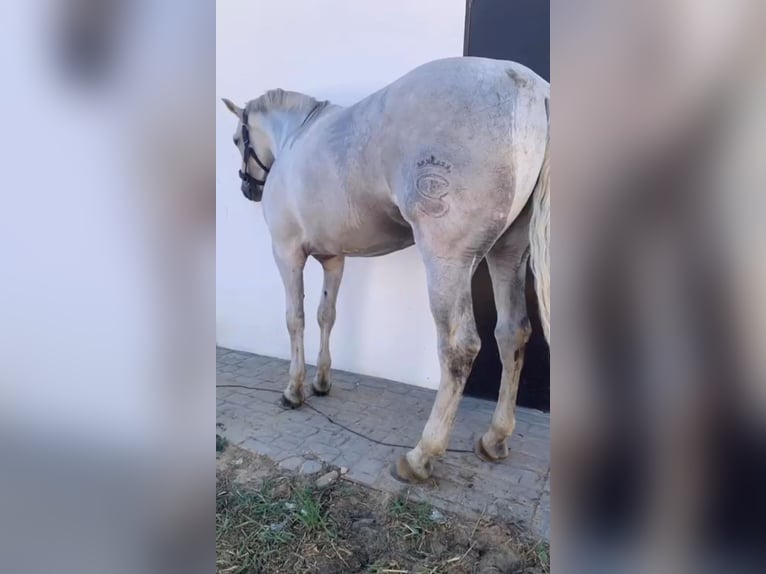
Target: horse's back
pixel 467 81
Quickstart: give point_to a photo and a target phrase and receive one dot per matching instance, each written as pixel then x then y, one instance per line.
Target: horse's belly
pixel 374 240
pixel 368 240
pixel 381 246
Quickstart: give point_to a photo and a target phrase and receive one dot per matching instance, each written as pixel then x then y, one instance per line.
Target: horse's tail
pixel 540 237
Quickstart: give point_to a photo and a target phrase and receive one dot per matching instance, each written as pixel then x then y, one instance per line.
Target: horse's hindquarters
pixel 467 164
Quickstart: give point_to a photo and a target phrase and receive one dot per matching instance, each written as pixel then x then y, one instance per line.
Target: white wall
pixel 340 50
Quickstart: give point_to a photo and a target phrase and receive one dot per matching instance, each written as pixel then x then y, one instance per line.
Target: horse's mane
pixel 282 100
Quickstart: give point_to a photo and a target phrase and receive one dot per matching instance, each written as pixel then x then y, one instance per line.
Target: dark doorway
pixel 517 30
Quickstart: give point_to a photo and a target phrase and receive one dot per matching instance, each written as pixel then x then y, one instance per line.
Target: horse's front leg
pixel 333 273
pixel 291 262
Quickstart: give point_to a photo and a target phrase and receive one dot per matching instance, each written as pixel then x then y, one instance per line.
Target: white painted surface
pixel 340 50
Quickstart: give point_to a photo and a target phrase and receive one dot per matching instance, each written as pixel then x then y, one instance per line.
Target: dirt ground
pixel 272 521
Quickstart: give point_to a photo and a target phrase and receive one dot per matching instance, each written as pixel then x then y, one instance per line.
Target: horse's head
pixel 252 143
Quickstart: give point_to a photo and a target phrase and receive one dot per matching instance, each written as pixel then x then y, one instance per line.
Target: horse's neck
pixel 280 126
pixel 284 125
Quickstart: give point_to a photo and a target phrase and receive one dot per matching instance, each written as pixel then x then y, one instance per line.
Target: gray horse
pixel 452 157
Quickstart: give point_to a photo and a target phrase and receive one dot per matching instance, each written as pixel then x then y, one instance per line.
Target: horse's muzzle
pixel 252 192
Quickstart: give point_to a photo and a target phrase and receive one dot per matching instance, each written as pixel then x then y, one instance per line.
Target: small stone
pixel 289 506
pixel 311 466
pixel 277 526
pixel 238 461
pixel 437 517
pixel 327 479
pixel 343 469
pixel 292 463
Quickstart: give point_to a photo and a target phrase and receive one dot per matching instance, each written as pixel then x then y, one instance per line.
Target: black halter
pixel 250 153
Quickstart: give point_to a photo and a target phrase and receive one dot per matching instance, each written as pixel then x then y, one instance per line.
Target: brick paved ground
pixel 517 489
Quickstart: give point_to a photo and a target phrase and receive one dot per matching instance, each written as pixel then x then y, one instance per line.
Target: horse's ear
pixel 237 111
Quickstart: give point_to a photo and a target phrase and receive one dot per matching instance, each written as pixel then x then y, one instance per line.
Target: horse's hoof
pixel 291 403
pixel 403 472
pixel 493 453
pixel 321 390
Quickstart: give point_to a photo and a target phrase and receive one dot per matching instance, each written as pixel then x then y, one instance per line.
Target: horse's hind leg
pixel 507 261
pixel 449 290
pixel 333 273
pixel 291 261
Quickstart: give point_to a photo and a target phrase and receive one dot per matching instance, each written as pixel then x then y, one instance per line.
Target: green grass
pixel 309 510
pixel 253 528
pixel 412 519
pixel 537 556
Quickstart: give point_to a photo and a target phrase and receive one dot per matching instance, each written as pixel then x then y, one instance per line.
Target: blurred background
pixel 106 292
pixel 657 387
pixel 107 286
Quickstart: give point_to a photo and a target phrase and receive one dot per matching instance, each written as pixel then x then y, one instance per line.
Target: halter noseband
pixel 250 153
